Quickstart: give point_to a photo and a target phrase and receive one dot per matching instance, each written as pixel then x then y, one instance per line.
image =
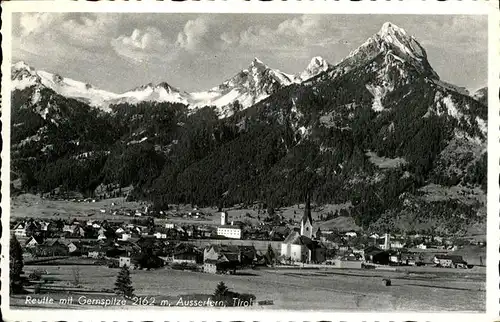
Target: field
pixel 28 205
pixel 420 289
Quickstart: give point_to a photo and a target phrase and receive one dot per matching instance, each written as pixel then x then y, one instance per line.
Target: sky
pixel 120 51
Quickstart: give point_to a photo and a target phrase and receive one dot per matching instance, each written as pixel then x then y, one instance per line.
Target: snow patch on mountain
pixel 389 40
pixel 481 95
pixel 383 162
pixel 248 87
pixel 74 89
pixel 315 67
pixel 24 76
pixel 451 107
pixel 33 138
pixel 151 93
pixel 378 93
pixel 398 37
pixel 138 141
pixel 483 127
pixel 36 96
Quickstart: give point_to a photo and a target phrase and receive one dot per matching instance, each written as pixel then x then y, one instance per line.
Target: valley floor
pixel 426 289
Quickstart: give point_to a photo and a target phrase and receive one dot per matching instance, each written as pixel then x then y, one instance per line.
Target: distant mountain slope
pixel 161 92
pixel 247 87
pixel 481 95
pixel 244 89
pixel 24 76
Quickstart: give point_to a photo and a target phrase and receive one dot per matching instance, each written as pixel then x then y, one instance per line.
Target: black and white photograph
pixel 249 161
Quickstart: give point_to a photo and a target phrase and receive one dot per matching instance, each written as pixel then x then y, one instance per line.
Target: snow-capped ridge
pixel 161 92
pixel 21 65
pixel 391 51
pixel 389 28
pixel 390 40
pixel 248 87
pixel 317 65
pixel 258 63
pixel 399 39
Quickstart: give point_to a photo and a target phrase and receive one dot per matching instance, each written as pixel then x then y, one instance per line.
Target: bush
pixel 222 293
pixel 183 266
pixel 36 275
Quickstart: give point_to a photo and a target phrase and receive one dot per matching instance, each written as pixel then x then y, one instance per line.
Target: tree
pixel 221 292
pixel 123 285
pixel 76 276
pixel 270 255
pixel 16 265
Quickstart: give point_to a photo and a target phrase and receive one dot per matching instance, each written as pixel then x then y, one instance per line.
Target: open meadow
pixel 419 289
pixel 33 206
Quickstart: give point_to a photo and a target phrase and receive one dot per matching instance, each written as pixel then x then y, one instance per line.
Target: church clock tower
pixel 306 227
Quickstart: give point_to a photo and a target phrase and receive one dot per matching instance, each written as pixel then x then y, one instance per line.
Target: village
pixel 152 239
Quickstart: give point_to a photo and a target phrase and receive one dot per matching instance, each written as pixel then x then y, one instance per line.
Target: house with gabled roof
pixel 222 252
pixel 446 260
pixel 185 253
pixel 34 241
pixel 52 247
pixel 376 255
pixel 20 229
pixel 299 248
pixel 220 258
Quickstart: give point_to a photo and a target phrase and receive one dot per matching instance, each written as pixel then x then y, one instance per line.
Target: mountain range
pixel 378 130
pixel 248 87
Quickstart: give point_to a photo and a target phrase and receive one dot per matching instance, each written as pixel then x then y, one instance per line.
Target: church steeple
pixel 306 222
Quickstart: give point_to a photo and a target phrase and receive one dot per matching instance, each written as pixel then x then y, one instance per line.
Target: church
pixel 303 247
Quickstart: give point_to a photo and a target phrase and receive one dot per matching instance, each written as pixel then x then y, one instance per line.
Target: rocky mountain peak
pixel 392 43
pixel 166 86
pixel 317 65
pixel 258 63
pixel 21 65
pixel 481 95
pixel 401 41
pixel 142 87
pixel 388 28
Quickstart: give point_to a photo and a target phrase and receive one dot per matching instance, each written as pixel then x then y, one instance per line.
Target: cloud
pixel 149 44
pixel 91 30
pixel 305 30
pixel 464 34
pixel 80 30
pixel 194 35
pixel 143 45
pixel 37 23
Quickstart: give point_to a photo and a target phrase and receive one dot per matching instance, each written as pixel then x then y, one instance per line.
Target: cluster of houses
pixel 170 242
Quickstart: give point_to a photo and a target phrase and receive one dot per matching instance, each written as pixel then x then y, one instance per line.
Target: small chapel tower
pixel 306 227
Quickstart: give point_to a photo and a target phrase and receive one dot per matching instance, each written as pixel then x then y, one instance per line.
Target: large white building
pixel 229 231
